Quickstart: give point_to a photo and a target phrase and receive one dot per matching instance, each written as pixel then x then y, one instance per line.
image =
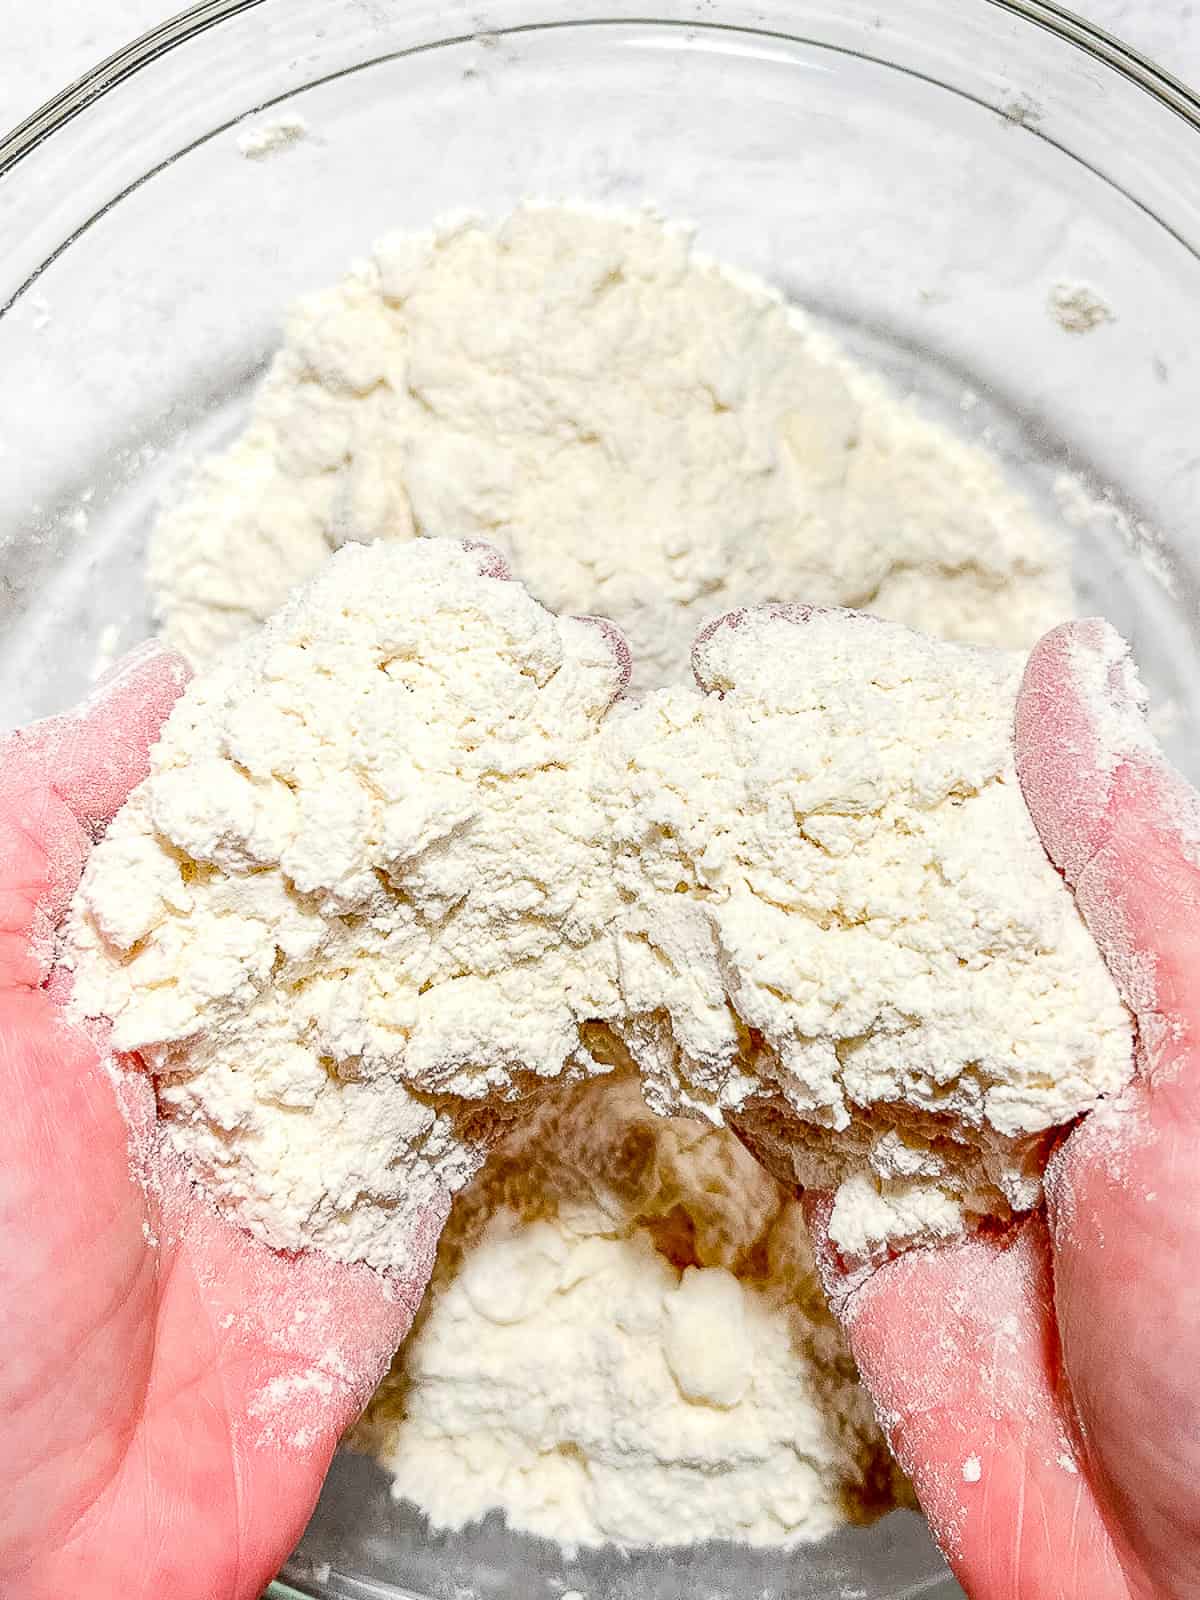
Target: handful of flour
pixel 405 856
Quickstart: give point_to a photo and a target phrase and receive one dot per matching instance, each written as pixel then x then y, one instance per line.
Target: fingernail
pixel 492 563
pixel 790 611
pixel 1109 686
pixel 617 643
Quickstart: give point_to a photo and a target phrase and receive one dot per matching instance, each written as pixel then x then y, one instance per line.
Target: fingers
pixel 311 1337
pixel 1118 821
pixel 492 562
pixel 42 851
pixel 958 1350
pixel 705 648
pixel 91 757
pixel 1124 828
pixel 60 780
pixel 618 646
pixel 1125 1226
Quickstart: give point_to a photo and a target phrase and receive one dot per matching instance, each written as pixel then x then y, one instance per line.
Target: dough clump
pixel 347 918
pixel 848 941
pixel 395 869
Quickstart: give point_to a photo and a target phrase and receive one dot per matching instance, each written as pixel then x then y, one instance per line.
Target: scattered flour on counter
pixel 647 435
pixel 624 1342
pixel 349 913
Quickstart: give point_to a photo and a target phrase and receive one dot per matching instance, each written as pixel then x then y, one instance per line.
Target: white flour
pixel 646 435
pixel 625 1341
pixel 355 897
pixel 392 863
pixel 848 939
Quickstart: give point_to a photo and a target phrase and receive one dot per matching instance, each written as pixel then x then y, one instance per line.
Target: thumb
pixel 1124 828
pixel 1119 822
pixel 93 755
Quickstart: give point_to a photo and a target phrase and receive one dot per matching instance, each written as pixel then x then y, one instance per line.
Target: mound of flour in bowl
pixel 625 1342
pixel 647 436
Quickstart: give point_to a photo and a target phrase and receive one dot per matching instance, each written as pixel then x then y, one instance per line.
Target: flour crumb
pixel 1021 110
pixel 273 138
pixel 972 1470
pixel 1079 309
pixel 1068 1463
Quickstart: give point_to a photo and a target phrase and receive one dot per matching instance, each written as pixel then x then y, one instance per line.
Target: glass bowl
pixel 989 200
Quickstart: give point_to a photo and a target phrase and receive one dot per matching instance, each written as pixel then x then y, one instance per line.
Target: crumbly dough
pixel 848 940
pixel 625 1342
pixel 393 863
pixel 646 434
pixel 348 916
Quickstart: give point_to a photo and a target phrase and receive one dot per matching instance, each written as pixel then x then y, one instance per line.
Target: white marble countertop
pixel 47 44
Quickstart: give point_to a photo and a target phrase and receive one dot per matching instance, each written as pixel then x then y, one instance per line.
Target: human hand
pixel 172 1390
pixel 1042 1389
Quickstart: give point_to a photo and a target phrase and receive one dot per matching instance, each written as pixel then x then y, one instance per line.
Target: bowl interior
pixel 922 185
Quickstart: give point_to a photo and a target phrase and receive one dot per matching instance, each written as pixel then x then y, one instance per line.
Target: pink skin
pixel 144 1455
pixel 171 1390
pixel 1073 1342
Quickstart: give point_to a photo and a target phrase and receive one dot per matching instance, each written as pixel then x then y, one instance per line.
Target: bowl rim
pixel 1129 63
pixel 102 79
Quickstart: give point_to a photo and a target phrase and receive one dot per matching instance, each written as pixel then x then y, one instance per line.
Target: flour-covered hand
pixel 172 1390
pixel 1042 1388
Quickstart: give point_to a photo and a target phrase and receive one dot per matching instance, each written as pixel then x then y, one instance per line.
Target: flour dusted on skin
pixel 348 914
pixel 847 939
pixel 624 1342
pixel 648 437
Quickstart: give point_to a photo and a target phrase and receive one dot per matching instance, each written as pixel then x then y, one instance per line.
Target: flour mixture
pixel 653 438
pixel 624 1342
pixel 362 898
pixel 645 434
